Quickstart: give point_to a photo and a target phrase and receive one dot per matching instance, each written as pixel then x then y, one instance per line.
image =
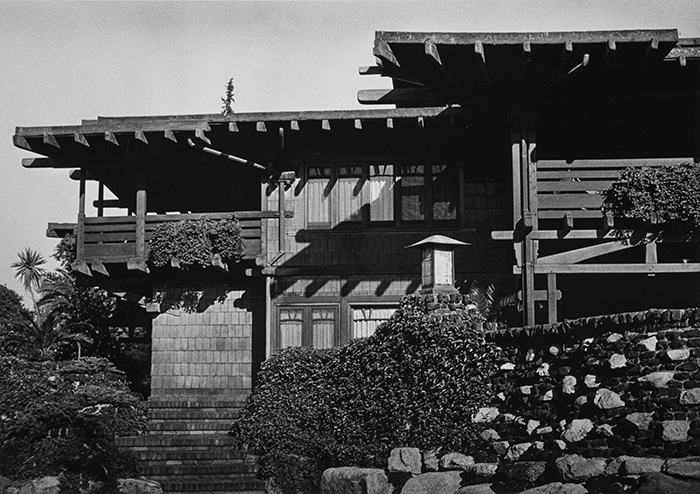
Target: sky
pixel 61 62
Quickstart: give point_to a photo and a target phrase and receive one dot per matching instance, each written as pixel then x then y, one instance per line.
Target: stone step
pixel 159 440
pixel 189 456
pixel 189 426
pixel 197 470
pixel 190 402
pixel 157 414
pixel 216 486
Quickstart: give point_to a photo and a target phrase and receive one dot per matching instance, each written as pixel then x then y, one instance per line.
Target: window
pixel 366 319
pixel 312 326
pixel 376 194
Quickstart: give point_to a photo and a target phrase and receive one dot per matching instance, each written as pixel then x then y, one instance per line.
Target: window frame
pixel 307 323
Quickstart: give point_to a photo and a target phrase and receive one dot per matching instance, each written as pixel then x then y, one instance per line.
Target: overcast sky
pixel 61 62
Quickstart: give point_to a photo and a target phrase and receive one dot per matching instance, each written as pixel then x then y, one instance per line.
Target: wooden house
pixel 502 141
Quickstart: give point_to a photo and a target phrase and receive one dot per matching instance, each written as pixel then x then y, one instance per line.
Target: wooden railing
pixel 113 239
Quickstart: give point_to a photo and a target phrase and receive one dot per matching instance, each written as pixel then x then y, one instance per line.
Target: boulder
pixel 688 468
pixel 456 461
pixel 138 486
pixel 578 469
pixel 605 430
pixel 433 483
pixel 557 488
pixel 44 485
pixel 577 430
pixel 489 435
pixel 658 483
pixel 480 472
pixel 476 489
pixel 523 472
pixel 405 460
pixel 548 396
pixel 640 420
pixel 485 415
pixel 679 354
pixel 659 379
pixel 690 396
pixel 591 381
pixel 633 465
pixel 531 426
pixel 353 480
pixel 614 338
pixel 501 447
pixel 649 343
pixel 543 369
pixel 607 400
pixel 675 430
pixel 617 361
pixel 430 460
pixel 517 450
pixel 568 385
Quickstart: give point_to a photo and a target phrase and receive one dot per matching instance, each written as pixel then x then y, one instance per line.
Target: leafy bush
pixel 415 382
pixel 60 418
pixel 194 242
pixel 665 194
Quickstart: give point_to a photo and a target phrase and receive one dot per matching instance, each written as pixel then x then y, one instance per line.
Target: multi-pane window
pixel 312 326
pixel 405 194
pixel 366 319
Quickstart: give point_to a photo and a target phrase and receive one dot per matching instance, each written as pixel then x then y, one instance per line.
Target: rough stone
pixel 577 430
pixel 679 354
pixel 544 430
pixel 614 466
pixel 353 480
pixel 690 396
pixel 591 381
pixel 531 426
pixel 614 338
pixel 557 488
pixel 501 447
pixel 561 445
pixel 490 435
pixel 476 489
pixel 640 420
pixel 530 355
pixel 578 469
pixel 508 366
pixel 526 390
pixel 522 471
pixel 568 385
pixel 433 483
pixel 688 468
pixel 659 379
pixel 605 430
pixel 548 395
pixel 649 343
pixel 543 370
pixel 658 483
pixel 44 485
pixel 554 350
pixel 430 460
pixel 675 430
pixel 456 461
pixel 517 450
pixel 138 486
pixel 633 465
pixel 607 400
pixel 405 460
pixel 617 361
pixel 485 415
pixel 481 472
pixel 581 400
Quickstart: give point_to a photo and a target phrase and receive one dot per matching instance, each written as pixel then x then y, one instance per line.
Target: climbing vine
pixel 195 242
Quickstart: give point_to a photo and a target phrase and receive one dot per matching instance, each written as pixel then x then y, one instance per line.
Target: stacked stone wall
pixel 625 384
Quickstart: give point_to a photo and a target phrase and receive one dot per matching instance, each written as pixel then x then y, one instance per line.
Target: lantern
pixel 437 263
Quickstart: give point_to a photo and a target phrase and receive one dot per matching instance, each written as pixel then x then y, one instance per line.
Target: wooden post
pixel 141 213
pixel 282 223
pixel 551 298
pixel 80 234
pixel 101 199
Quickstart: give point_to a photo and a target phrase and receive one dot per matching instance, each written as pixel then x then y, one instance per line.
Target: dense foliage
pixel 13 317
pixel 194 242
pixel 60 418
pixel 668 194
pixel 415 382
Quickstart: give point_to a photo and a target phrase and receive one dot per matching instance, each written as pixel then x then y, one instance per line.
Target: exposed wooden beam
pixel 394 73
pixel 170 135
pixel 652 51
pixel 525 59
pixel 585 253
pixel 609 163
pixel 232 127
pixel 199 134
pixel 433 54
pixel 80 139
pixel 60 230
pixel 140 136
pixel 481 60
pixel 50 140
pixel 602 234
pixel 21 142
pixel 80 267
pixel 260 127
pixel 617 268
pixel 98 266
pixel 389 123
pixel 294 125
pixel 608 54
pixel 383 52
pixel 137 265
pixel 218 264
pixel 399 96
pixel 110 203
pixel 358 124
pixel 566 51
pixel 110 137
pixel 325 124
pixel 43 163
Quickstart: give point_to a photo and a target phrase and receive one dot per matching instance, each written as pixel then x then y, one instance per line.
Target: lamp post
pixel 437 263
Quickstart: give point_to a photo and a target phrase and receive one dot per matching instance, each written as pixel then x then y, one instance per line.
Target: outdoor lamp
pixel 437 263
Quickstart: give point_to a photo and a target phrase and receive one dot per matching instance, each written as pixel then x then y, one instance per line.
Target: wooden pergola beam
pixel 398 96
pixel 617 268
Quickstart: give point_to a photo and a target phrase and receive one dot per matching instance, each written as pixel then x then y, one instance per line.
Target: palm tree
pixel 28 269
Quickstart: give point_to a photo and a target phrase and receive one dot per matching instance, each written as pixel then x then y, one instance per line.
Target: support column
pixel 138 262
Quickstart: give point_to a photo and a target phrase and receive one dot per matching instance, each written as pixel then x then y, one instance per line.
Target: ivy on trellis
pixel 196 242
pixel 666 195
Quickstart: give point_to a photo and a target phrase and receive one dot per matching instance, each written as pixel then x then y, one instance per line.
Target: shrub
pixel 667 194
pixel 415 382
pixel 61 418
pixel 194 242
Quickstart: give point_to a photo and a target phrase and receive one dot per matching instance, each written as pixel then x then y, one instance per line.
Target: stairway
pixel 188 451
